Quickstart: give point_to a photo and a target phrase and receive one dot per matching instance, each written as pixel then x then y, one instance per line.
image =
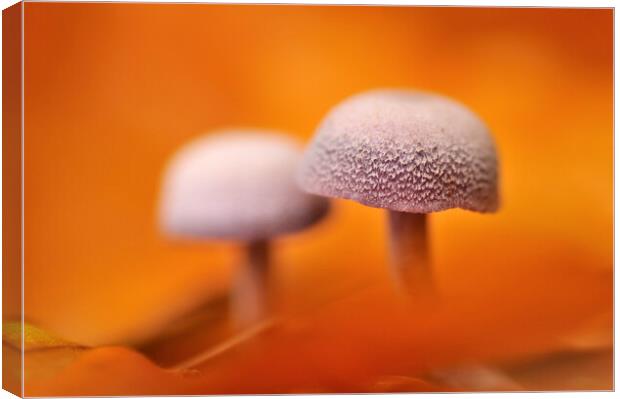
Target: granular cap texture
pixel 404 151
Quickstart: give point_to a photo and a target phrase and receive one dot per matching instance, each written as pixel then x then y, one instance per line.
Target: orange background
pixel 112 90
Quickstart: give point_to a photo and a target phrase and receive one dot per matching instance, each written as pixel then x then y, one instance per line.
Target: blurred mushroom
pixel 239 185
pixel 411 153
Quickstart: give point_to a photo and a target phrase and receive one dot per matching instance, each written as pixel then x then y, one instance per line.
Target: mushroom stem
pixel 409 252
pixel 250 301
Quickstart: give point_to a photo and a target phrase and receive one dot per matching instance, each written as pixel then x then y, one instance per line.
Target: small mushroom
pixel 411 153
pixel 239 185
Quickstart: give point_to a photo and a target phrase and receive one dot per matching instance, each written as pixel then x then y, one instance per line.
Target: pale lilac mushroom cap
pixel 404 151
pixel 237 184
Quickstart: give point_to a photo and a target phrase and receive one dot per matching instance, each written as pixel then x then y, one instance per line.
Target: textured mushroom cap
pixel 404 151
pixel 237 184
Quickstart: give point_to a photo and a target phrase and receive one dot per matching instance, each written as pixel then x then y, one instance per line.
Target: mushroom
pixel 411 153
pixel 239 185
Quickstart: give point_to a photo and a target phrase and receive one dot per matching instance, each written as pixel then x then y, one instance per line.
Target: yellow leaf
pixel 34 337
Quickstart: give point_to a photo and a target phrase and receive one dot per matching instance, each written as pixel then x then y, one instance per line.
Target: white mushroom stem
pixel 250 299
pixel 409 252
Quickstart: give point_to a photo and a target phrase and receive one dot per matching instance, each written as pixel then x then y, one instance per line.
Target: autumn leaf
pixel 44 354
pixel 33 337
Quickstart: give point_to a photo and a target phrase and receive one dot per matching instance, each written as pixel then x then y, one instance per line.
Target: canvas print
pixel 207 199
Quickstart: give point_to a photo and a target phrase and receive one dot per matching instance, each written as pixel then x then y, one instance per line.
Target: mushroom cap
pixel 237 184
pixel 405 151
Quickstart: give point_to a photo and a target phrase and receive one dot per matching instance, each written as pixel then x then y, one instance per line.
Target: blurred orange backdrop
pixel 112 90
